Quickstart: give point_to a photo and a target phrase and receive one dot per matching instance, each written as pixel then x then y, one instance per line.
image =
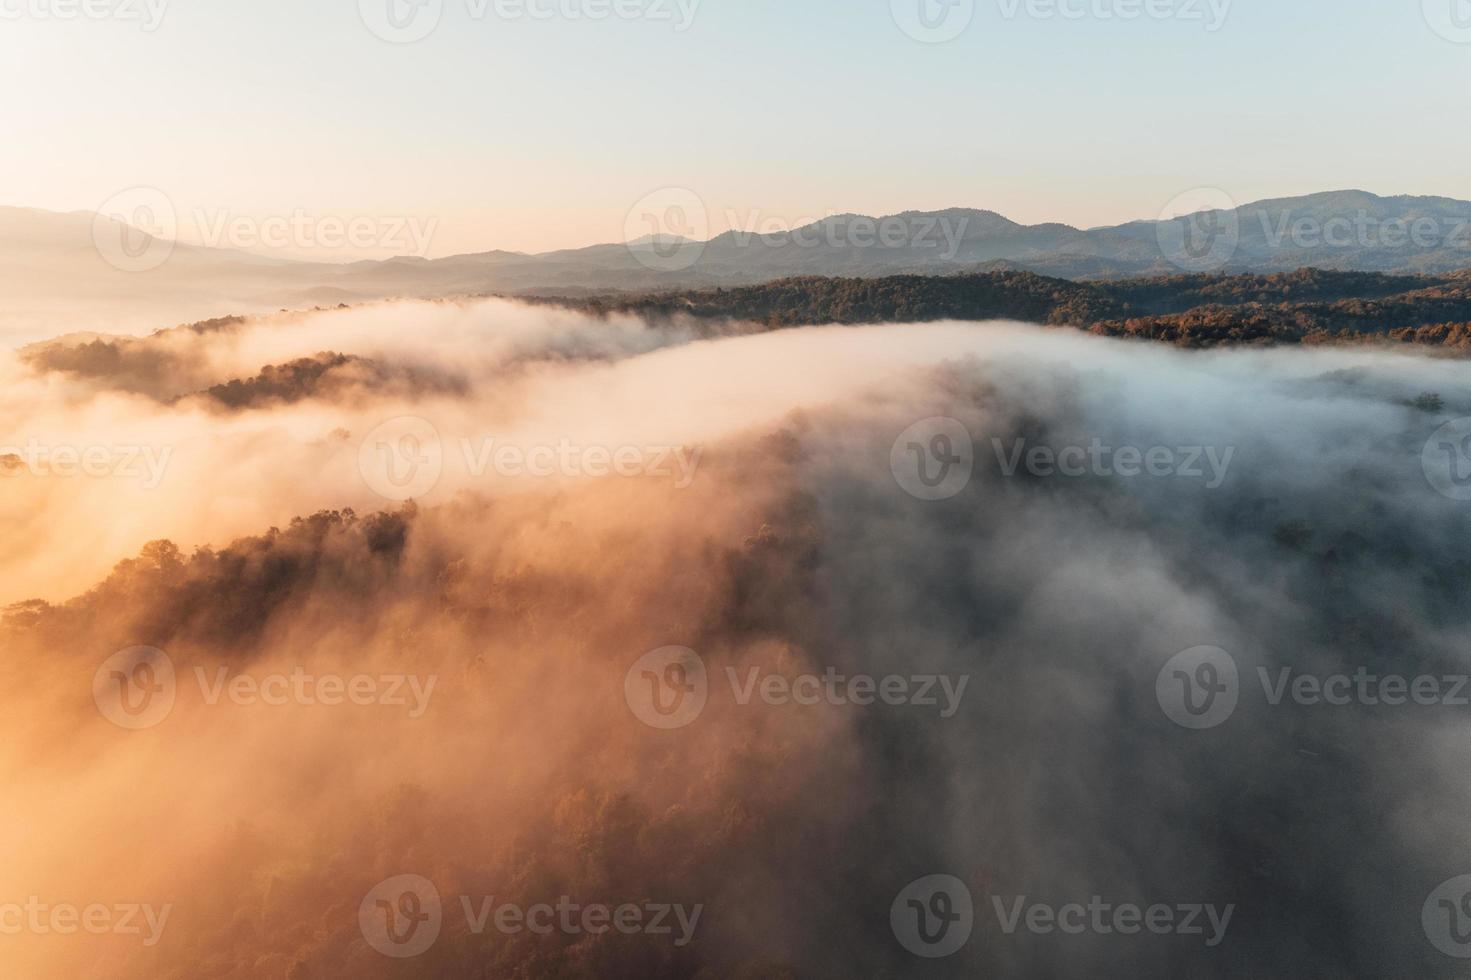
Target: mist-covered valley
pixel 330 636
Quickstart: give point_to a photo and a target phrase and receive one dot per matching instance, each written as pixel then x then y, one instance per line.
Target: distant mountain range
pixel 53 279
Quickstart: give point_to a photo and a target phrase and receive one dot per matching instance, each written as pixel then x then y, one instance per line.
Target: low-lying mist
pixel 524 603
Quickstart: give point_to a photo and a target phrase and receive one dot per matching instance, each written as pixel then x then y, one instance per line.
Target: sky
pixel 534 125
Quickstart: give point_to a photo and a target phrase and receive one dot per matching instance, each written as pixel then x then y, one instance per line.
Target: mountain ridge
pixel 57 281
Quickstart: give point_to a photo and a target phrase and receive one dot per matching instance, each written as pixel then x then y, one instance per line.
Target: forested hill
pixel 1310 306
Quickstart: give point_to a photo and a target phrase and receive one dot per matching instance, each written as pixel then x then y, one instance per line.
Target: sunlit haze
pixel 513 131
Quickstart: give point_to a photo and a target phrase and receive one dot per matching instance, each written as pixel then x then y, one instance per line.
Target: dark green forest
pixel 1310 306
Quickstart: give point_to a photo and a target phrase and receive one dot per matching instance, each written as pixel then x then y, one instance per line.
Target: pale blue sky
pixel 536 134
